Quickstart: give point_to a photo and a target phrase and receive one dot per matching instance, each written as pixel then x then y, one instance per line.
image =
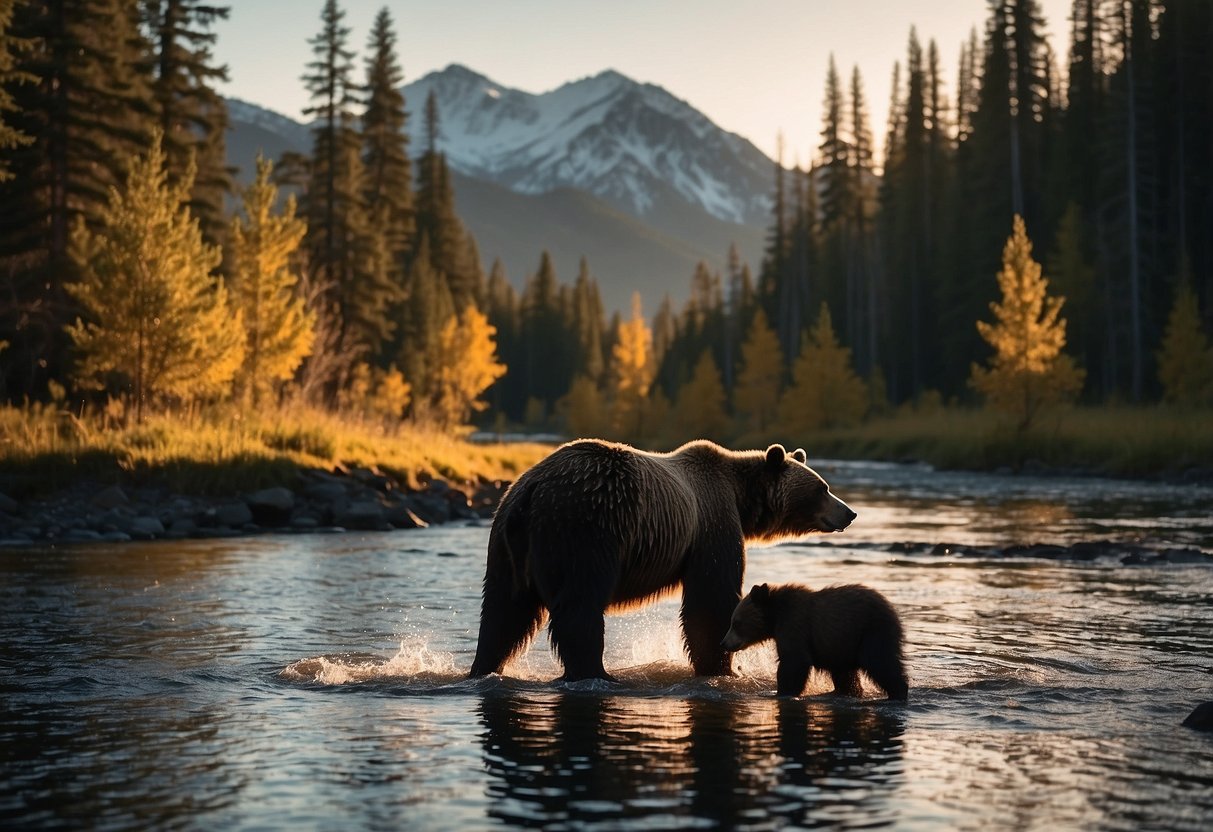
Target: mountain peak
pixel 633 144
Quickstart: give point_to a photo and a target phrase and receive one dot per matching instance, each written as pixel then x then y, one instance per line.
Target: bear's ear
pixel 776 455
pixel 760 592
pixel 800 456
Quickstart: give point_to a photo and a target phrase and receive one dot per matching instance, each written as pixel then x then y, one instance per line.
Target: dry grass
pixel 43 448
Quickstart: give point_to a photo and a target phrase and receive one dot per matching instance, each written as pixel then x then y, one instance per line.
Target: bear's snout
pixel 837 516
pixel 730 642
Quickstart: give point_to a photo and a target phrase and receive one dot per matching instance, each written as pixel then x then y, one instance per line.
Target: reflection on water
pixel 320 682
pixel 574 759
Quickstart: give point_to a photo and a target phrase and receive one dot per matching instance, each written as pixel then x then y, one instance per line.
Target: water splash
pixel 414 662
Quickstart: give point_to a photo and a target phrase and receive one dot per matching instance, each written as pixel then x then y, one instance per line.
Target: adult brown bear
pixel 597 526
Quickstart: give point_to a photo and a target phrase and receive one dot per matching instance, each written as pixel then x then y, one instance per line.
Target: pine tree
pixel 699 412
pixel 632 372
pixel 1185 359
pixel 436 217
pixel 825 391
pixel 756 396
pixel 88 111
pixel 279 329
pixel 1028 371
pixel 10 137
pixel 190 113
pixel 388 192
pixel 464 364
pixel 158 323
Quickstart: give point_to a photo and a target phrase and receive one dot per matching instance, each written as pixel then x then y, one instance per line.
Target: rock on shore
pixel 362 499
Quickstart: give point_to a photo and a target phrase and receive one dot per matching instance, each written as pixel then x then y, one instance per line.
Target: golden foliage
pixel 155 320
pixel 632 369
pixel 1028 371
pixel 279 329
pixel 825 391
pixel 463 366
pixel 585 408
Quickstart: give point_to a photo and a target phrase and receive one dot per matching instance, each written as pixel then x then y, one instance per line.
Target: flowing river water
pixel 318 682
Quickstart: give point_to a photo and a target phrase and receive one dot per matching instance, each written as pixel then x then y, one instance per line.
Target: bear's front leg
pixel 791 676
pixel 711 588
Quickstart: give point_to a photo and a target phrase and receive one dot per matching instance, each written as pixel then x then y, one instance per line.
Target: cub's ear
pixel 800 456
pixel 775 455
pixel 760 592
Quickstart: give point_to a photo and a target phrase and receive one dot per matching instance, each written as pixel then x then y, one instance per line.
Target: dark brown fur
pixel 598 526
pixel 840 629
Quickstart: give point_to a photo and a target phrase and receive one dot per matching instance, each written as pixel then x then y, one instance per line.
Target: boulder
pixel 109 498
pixel 1201 719
pixel 145 528
pixel 271 506
pixel 365 515
pixel 233 515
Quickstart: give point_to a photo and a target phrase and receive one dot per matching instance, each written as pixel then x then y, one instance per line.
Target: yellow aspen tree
pixel 155 318
pixel 632 370
pixel 825 391
pixel 699 411
pixel 1028 371
pixel 464 366
pixel 1185 361
pixel 279 328
pixel 756 395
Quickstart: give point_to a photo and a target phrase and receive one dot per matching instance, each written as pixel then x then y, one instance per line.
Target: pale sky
pixel 755 67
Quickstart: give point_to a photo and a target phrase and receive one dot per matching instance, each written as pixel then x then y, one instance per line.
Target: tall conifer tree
pixel 190 113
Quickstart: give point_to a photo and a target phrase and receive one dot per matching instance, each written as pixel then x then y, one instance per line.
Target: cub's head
pixel 800 502
pixel 751 622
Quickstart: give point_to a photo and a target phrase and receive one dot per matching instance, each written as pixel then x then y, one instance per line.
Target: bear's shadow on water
pixel 576 756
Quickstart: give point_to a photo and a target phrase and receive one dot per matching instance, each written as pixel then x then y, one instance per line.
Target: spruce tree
pixel 388 193
pixel 825 391
pixel 190 113
pixel 699 411
pixel 1185 359
pixel 279 329
pixel 436 217
pixel 756 396
pixel 1028 371
pixel 345 248
pixel 156 322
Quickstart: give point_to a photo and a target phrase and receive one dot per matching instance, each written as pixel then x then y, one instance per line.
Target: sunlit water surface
pixel 317 682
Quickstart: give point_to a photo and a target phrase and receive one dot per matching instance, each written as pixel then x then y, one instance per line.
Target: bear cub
pixel 840 629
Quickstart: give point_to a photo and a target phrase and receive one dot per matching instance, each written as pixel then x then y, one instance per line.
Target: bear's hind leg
pixel 884 667
pixel 510 614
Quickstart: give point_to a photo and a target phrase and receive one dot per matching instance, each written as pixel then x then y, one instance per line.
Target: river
pixel 316 681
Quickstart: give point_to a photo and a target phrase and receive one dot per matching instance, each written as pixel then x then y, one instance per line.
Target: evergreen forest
pixel 1036 231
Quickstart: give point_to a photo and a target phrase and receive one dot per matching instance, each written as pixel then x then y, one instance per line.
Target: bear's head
pixel 751 622
pixel 799 501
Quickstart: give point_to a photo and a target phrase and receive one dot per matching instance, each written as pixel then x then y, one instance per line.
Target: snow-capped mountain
pixel 627 142
pixel 624 174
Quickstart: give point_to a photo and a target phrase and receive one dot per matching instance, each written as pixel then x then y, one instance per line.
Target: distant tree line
pixel 366 292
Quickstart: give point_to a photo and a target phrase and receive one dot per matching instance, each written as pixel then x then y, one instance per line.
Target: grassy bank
pixel 43 449
pixel 1118 441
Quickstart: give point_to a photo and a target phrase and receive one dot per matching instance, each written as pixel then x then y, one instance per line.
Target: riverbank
pixel 68 479
pixel 64 478
pixel 1118 441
